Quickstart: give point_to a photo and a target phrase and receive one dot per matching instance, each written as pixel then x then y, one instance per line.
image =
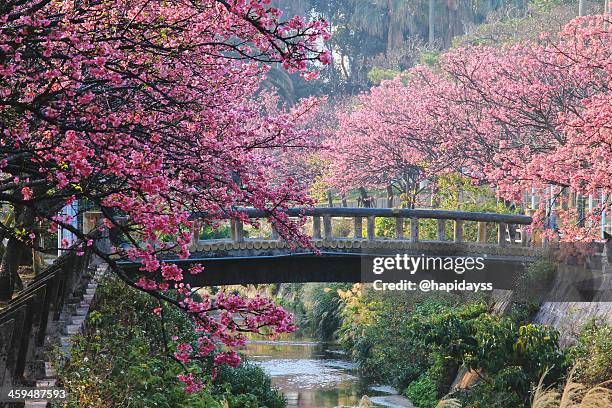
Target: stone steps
pixel 72 322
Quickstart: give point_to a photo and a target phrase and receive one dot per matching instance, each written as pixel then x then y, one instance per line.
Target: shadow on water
pixel 312 374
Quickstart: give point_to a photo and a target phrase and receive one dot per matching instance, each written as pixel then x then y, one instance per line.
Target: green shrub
pixel 423 392
pixel 223 231
pixel 121 360
pixel 326 310
pixel 243 401
pixel 593 354
pixel 510 358
pixel 384 227
pixel 376 75
pixel 250 382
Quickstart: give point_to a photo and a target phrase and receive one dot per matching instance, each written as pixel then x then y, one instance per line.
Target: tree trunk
pixel 13 256
pixel 395 33
pixel 330 199
pixel 389 196
pixel 432 15
pixel 454 24
pixel 582 11
pixel 9 278
pixel 365 200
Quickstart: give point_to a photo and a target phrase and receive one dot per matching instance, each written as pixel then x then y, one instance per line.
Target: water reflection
pixel 310 374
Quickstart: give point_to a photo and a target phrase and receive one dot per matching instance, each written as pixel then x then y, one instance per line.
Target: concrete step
pixel 49 370
pixel 78 320
pixel 46 383
pixel 81 311
pixel 36 404
pixel 72 329
pixel 65 341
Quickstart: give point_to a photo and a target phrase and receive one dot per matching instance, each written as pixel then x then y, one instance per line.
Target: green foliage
pixel 342 227
pixel 249 384
pixel 376 75
pixel 423 392
pixel 455 192
pixel 243 401
pixel 223 231
pixel 385 227
pixel 430 58
pixel 122 360
pixel 383 335
pixel 547 5
pixel 510 358
pixel 533 284
pixel 418 343
pixel 326 311
pixel 543 16
pixel 593 354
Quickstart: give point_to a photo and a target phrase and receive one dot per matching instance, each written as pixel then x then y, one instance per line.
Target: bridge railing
pixel 510 228
pixel 27 320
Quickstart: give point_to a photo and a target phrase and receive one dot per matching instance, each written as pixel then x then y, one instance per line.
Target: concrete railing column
pixel 371 228
pixel 275 236
pixel 501 234
pixel 458 232
pixel 316 227
pixel 237 230
pixel 358 228
pixel 327 227
pixel 441 230
pixel 399 228
pixel 482 232
pixel 414 229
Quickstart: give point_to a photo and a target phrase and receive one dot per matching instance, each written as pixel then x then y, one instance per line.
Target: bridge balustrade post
pixel 524 236
pixel 441 230
pixel 237 231
pixel 371 228
pixel 358 228
pixel 482 232
pixel 196 229
pixel 414 229
pixel 316 227
pixel 327 227
pixel 501 234
pixel 275 236
pixel 399 228
pixel 458 232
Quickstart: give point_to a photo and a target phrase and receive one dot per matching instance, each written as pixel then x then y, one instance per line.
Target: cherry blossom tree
pixel 519 117
pixel 388 138
pixel 538 115
pixel 146 109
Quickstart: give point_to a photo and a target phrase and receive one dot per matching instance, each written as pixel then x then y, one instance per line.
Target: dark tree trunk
pixel 365 200
pixel 432 21
pixel 9 278
pixel 13 256
pixel 389 196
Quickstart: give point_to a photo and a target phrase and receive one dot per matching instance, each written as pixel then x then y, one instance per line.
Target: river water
pixel 317 375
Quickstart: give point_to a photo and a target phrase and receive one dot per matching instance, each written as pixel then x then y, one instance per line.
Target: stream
pixel 317 375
